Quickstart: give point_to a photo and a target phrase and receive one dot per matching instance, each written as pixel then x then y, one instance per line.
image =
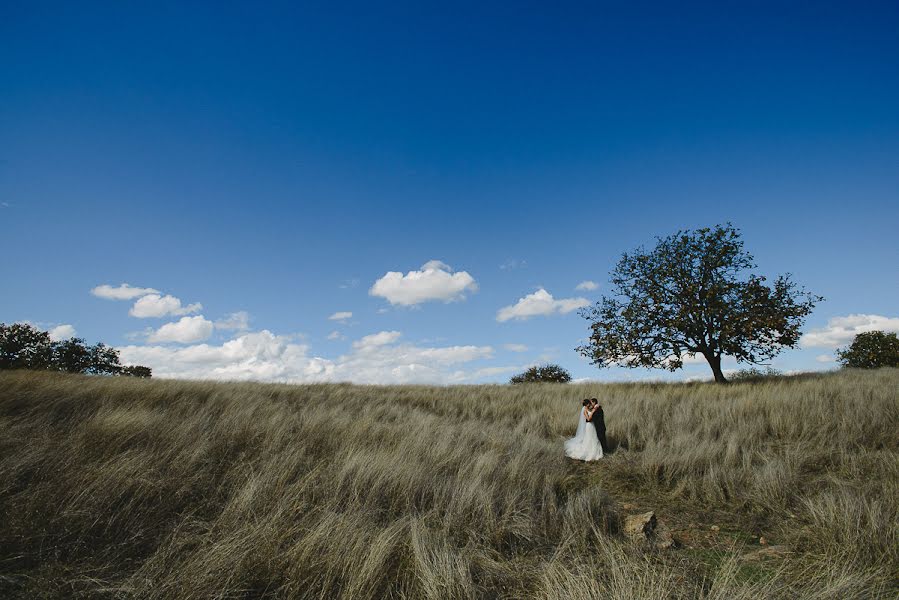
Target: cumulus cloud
pixel 435 281
pixel 62 332
pixel 122 292
pixel 156 305
pixel 341 316
pixel 374 340
pixel 236 321
pixel 264 356
pixel 840 331
pixel 261 356
pixel 540 303
pixel 587 286
pixel 187 330
pixel 515 347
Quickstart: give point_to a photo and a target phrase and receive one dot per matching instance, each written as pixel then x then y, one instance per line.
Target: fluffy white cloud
pixel 155 305
pixel 824 358
pixel 435 281
pixel 187 330
pixel 587 286
pixel 516 347
pixel 540 303
pixel 260 356
pixel 374 340
pixel 264 356
pixel 840 331
pixel 122 292
pixel 237 321
pixel 62 332
pixel 376 360
pixel 341 316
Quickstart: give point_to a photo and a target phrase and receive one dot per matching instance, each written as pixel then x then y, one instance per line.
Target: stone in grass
pixel 645 527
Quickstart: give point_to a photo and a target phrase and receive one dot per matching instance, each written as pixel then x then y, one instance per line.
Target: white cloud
pixel 264 356
pixel 155 305
pixel 259 356
pixel 185 331
pixel 840 331
pixel 62 332
pixel 587 286
pixel 435 281
pixel 540 303
pixel 515 347
pixel 237 321
pixel 377 339
pixel 341 316
pixel 825 358
pixel 336 335
pixel 123 292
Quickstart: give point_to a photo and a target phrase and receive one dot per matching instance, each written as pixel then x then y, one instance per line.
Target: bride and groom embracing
pixel 589 443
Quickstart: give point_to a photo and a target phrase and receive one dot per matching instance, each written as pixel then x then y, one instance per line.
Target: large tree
pixel 694 293
pixel 23 346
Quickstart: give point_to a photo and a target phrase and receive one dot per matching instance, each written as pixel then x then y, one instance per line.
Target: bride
pixel 585 444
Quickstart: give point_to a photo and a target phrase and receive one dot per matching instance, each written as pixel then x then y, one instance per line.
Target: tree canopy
pixel 871 350
pixel 694 293
pixel 23 346
pixel 547 374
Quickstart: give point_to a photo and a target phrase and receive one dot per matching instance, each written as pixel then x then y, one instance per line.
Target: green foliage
pixel 71 356
pixel 137 371
pixel 694 293
pixel 546 374
pixel 871 350
pixel 23 346
pixel 755 374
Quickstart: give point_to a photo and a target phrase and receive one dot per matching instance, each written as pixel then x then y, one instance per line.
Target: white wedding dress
pixel 584 445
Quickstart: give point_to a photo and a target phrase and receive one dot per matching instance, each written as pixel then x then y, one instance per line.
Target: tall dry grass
pixel 164 489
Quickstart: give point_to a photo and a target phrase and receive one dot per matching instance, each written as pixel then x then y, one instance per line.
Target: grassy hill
pixel 118 487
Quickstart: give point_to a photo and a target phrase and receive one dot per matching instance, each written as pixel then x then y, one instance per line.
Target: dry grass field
pixel 118 487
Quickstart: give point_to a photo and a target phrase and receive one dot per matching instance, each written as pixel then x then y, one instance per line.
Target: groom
pixel 599 423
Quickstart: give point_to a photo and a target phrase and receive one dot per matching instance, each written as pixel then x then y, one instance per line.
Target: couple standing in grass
pixel 589 443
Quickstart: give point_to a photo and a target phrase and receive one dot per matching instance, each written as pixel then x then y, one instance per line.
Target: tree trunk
pixel 715 363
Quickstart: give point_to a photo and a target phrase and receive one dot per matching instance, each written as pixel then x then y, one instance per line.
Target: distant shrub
pixel 754 374
pixel 871 350
pixel 137 371
pixel 546 374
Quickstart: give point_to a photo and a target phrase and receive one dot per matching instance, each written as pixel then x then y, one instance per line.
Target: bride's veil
pixel 581 423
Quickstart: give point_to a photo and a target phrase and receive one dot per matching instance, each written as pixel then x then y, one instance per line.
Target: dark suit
pixel 599 423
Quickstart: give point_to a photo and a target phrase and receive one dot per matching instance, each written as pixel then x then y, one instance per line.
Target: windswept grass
pixel 163 489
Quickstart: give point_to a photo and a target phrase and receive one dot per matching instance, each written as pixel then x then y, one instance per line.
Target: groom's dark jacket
pixel 598 419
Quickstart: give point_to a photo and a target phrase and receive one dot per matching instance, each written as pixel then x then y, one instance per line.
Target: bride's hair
pixel 585 402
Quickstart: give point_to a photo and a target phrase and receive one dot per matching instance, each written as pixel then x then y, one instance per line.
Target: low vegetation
pixel 127 487
pixel 542 374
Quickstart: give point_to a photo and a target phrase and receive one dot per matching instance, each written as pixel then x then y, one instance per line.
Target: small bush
pixel 871 350
pixel 544 374
pixel 754 374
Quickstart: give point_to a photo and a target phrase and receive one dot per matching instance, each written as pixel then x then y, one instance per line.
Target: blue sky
pixel 278 161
